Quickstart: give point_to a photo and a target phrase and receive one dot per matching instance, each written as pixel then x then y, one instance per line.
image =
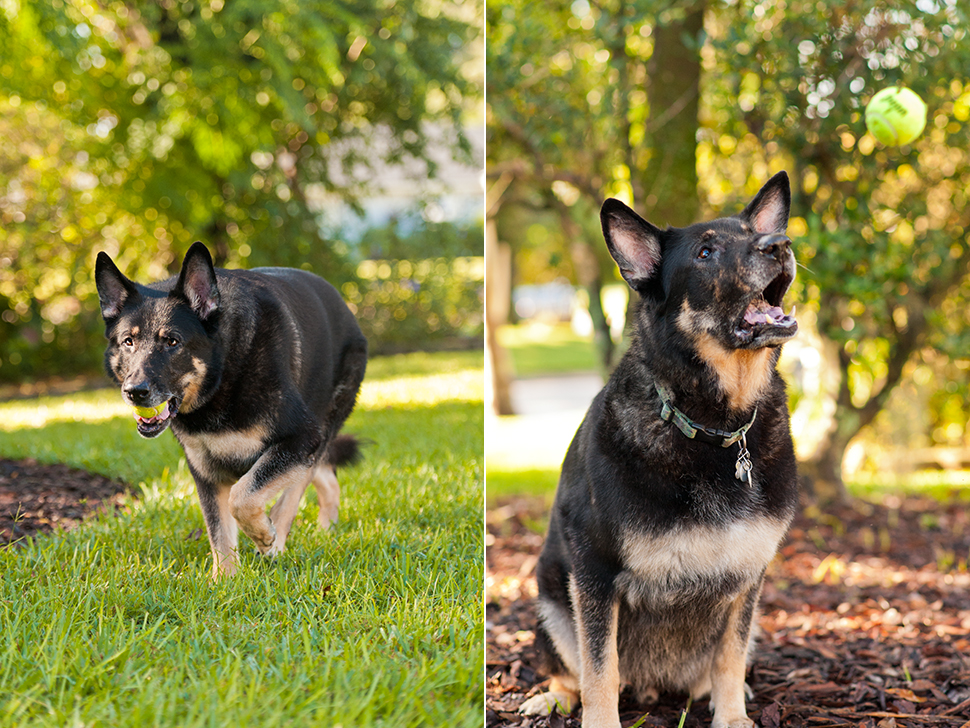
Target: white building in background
pixel 396 190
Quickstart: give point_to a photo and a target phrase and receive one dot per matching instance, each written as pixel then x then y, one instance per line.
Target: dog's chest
pixel 224 456
pixel 718 561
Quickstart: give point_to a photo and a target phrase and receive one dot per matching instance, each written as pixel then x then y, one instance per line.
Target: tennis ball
pixel 896 116
pixel 146 413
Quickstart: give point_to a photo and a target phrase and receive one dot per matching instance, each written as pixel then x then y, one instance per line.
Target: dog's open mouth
pixel 154 426
pixel 764 322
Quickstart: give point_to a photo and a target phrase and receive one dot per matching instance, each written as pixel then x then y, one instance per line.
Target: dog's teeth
pixel 769 319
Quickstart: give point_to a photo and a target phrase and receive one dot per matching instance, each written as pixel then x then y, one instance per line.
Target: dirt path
pixel 866 622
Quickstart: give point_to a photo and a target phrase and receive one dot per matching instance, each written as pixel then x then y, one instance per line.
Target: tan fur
pixel 562 695
pixel 225 559
pixel 249 508
pixel 743 547
pixel 559 626
pixel 599 685
pixel 727 675
pixel 328 494
pixel 743 374
pixel 283 512
pixel 234 445
pixel 191 384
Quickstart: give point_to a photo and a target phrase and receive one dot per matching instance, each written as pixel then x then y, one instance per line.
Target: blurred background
pixel 344 138
pixel 683 110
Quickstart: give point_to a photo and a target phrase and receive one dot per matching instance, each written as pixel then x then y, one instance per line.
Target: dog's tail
pixel 345 450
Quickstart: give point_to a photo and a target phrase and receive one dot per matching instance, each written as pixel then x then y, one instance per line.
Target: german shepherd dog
pixel 680 483
pixel 255 372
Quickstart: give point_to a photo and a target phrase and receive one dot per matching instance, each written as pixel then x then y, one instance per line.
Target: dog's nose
pixel 138 392
pixel 773 244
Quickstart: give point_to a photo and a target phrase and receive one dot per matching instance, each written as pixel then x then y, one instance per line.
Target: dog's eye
pixel 704 253
pixel 128 341
pixel 172 342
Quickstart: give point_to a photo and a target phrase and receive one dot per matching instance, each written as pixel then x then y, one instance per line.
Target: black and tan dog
pixel 680 483
pixel 255 372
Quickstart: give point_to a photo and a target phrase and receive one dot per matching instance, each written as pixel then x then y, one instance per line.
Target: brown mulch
pixel 865 622
pixel 36 498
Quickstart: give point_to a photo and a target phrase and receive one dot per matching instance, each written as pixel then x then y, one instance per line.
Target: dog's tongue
pixel 762 312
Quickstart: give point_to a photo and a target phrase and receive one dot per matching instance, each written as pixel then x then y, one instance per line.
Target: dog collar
pixel 710 435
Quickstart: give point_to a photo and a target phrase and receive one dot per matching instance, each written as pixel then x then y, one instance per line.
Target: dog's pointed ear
pixel 633 242
pixel 197 282
pixel 114 290
pixel 768 211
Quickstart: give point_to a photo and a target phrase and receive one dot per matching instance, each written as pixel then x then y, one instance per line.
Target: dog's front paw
pixel 546 703
pixel 278 547
pixel 267 540
pixel 741 721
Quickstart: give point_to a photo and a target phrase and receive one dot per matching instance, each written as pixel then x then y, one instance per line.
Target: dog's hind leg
pixel 338 449
pixel 328 494
pixel 283 512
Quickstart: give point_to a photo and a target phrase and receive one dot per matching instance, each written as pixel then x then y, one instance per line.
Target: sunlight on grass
pixel 406 379
pixel 95 406
pixel 938 484
pixel 462 386
pixel 537 442
pixel 538 348
pixel 375 622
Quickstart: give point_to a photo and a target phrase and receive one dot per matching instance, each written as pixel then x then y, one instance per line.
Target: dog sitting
pixel 681 481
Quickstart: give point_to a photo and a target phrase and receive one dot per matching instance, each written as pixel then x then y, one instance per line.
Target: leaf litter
pixel 865 622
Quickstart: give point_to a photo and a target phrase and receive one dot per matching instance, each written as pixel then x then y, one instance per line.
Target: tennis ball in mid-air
pixel 896 116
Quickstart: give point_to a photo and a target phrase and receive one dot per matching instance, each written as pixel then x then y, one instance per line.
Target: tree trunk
pixel 498 368
pixel 673 92
pixel 670 180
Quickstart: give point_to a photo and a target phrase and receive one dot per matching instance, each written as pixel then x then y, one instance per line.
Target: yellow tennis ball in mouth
pixel 896 116
pixel 147 413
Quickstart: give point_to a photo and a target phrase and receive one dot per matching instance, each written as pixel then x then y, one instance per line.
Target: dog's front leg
pixel 285 465
pixel 597 610
pixel 219 524
pixel 730 664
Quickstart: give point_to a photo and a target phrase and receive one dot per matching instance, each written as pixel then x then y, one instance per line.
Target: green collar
pixel 694 431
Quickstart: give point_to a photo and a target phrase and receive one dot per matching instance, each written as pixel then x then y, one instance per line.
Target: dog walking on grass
pixel 255 372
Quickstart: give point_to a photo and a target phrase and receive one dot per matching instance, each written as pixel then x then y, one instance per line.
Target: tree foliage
pixel 881 232
pixel 138 128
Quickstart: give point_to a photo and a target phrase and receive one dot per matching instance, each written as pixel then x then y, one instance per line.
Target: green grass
pixel 538 349
pixel 377 623
pixel 530 482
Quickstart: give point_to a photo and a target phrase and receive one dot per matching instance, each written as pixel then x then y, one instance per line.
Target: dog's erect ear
pixel 768 211
pixel 633 242
pixel 114 290
pixel 197 282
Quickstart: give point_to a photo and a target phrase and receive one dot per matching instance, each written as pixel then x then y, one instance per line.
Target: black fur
pixel 256 371
pixel 652 526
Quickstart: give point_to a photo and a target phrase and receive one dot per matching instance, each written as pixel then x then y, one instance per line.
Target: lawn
pixel 538 349
pixel 377 623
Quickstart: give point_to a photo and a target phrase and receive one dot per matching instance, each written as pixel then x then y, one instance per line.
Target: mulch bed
pixel 36 498
pixel 865 622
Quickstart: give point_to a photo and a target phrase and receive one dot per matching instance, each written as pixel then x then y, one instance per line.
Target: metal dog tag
pixel 742 470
